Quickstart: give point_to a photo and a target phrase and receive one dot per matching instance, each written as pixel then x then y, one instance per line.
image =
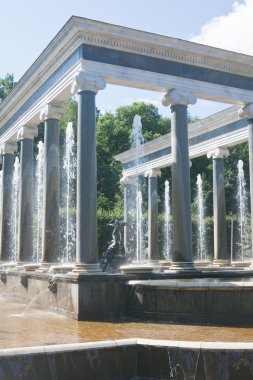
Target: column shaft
pixel 127 217
pixel 25 238
pixel 129 235
pixel 51 192
pixel 220 231
pixel 86 224
pixel 6 204
pixel 153 241
pixel 181 189
pixel 250 138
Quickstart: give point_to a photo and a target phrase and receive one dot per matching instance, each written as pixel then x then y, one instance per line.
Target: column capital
pixel 27 133
pixel 87 82
pixel 153 173
pixel 174 97
pixel 51 111
pixel 218 153
pixel 246 111
pixel 8 148
pixel 125 180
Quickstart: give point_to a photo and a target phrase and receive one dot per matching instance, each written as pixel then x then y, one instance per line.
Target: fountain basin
pixel 146 296
pixel 201 301
pixel 130 359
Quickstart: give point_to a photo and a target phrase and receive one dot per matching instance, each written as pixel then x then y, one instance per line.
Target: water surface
pixel 40 327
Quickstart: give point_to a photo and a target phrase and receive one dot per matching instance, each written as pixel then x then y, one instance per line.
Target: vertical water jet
pixel 201 243
pixel 167 230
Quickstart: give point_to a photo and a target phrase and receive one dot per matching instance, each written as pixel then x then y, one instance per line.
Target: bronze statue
pixel 115 254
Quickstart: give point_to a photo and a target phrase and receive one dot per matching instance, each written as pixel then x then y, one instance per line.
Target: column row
pixel 86 248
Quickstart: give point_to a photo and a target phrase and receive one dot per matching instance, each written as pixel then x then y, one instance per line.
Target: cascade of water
pixel 167 223
pixel 201 220
pixel 39 198
pixel 137 212
pixel 139 228
pixel 15 209
pixel 137 139
pixel 69 176
pixel 242 205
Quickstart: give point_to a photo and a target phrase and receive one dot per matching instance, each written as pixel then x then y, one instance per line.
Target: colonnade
pixel 86 88
pixel 86 224
pixel 182 258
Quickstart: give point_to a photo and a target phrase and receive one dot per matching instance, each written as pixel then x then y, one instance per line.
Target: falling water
pixel 139 228
pixel 69 176
pixel 137 205
pixel 242 205
pixel 167 223
pixel 15 209
pixel 137 140
pixel 201 220
pixel 39 198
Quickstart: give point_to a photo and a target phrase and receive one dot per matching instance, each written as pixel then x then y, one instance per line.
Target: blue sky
pixel 27 27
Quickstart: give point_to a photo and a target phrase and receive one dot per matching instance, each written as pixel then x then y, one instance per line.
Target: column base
pixel 44 267
pixel 250 266
pixel 178 266
pixel 83 268
pixel 30 267
pixel 19 265
pixel 218 263
pixel 164 265
pixel 7 266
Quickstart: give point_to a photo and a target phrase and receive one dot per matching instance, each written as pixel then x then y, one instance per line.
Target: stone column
pixel 247 112
pixel 221 256
pixel 25 222
pixel 181 188
pixel 86 217
pixel 153 241
pixel 51 190
pixel 7 151
pixel 128 183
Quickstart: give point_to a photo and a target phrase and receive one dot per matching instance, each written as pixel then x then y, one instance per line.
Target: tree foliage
pixel 114 135
pixel 6 85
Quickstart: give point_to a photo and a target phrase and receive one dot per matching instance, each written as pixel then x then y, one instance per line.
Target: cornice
pixel 80 30
pixel 174 50
pixel 32 116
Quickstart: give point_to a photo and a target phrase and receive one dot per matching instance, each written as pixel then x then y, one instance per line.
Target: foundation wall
pixel 129 359
pixel 105 297
pixel 221 305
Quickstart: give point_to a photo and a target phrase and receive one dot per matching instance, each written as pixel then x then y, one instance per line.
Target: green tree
pixel 120 132
pixel 114 135
pixel 6 85
pixel 236 153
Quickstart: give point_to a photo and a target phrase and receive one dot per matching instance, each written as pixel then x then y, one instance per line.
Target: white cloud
pixel 233 31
